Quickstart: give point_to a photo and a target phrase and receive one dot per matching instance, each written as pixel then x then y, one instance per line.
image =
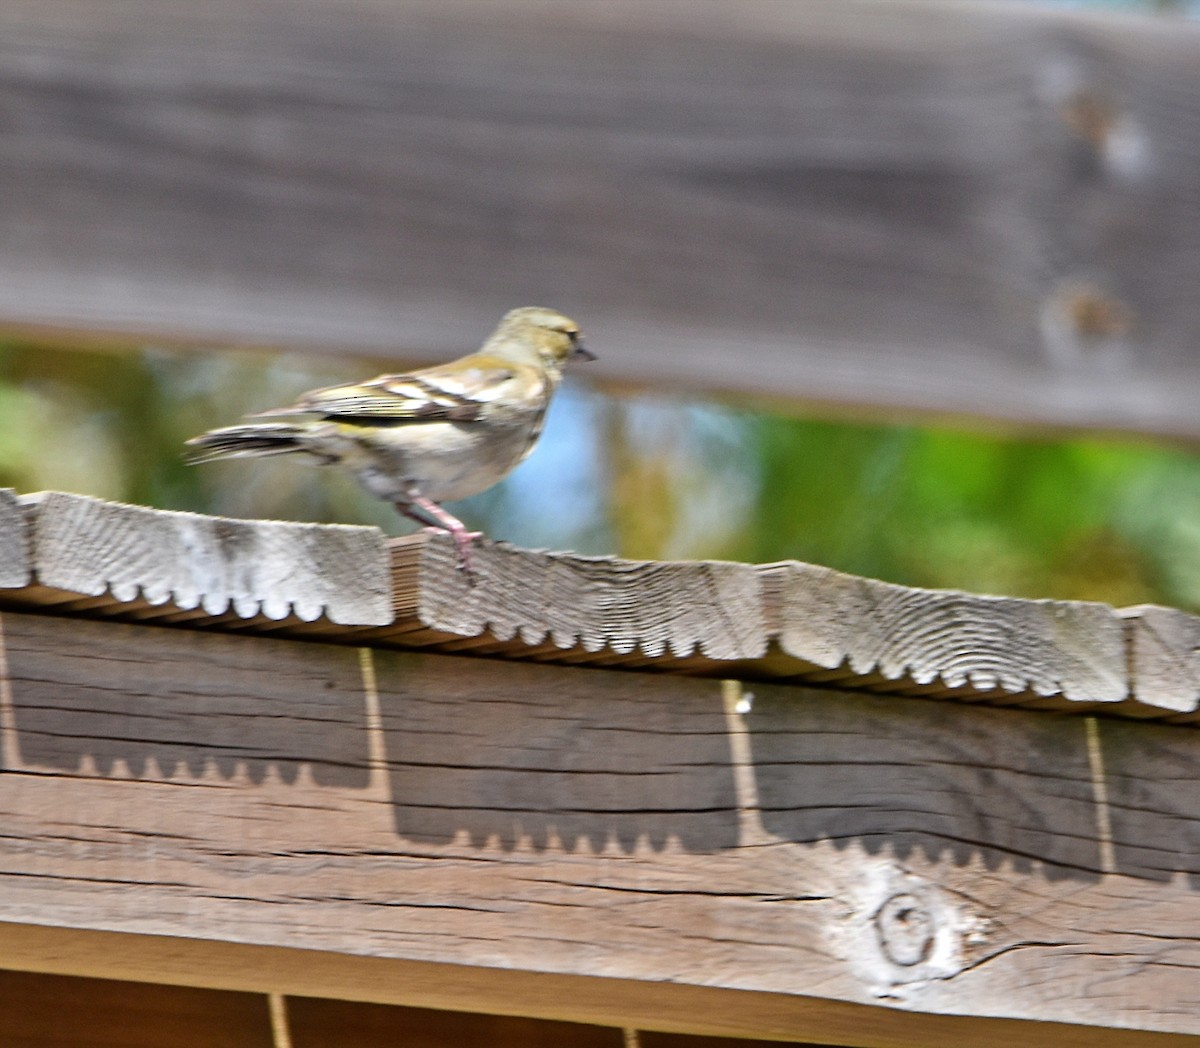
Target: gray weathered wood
pixel 776 620
pixel 941 641
pixel 14 544
pixel 843 868
pixel 1164 659
pixel 276 569
pixel 788 620
pixel 981 208
pixel 568 602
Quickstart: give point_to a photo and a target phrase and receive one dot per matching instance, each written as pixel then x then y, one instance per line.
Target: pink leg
pixel 446 522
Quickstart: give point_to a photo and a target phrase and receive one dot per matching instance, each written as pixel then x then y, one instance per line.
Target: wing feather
pixel 457 393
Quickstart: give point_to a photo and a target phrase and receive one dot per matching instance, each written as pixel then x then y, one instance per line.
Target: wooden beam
pixel 940 643
pixel 787 621
pixel 985 209
pixel 241 812
pixel 682 1008
pixel 14 543
pixel 1163 654
pixel 37 1011
pixel 571 605
pixel 345 1024
pixel 112 554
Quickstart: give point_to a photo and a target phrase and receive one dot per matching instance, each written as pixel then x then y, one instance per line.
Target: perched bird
pixel 441 433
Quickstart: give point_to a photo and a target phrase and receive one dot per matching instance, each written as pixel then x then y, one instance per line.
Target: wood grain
pixel 710 1010
pixel 787 620
pixel 713 609
pixel 54 1011
pixel 345 1024
pixel 1163 645
pixel 187 697
pixel 984 209
pixel 942 642
pixel 14 543
pixel 701 618
pixel 656 1039
pixel 843 868
pixel 1141 768
pixel 187 561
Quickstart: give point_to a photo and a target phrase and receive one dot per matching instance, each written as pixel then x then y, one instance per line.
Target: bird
pixel 424 437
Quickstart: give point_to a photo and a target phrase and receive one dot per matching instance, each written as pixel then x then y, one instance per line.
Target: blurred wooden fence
pixel 955 207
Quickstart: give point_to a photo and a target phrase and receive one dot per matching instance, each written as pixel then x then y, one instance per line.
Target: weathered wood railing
pixel 763 825
pixel 312 797
pixel 789 621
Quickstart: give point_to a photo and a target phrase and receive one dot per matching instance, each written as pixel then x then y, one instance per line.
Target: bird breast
pixel 444 461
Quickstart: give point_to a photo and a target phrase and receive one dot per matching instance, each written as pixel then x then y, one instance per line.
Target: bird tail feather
pixel 249 441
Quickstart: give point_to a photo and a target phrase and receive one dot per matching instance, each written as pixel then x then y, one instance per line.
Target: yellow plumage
pixel 417 439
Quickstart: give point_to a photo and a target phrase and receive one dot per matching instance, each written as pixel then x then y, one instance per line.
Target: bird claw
pixel 447 524
pixel 462 542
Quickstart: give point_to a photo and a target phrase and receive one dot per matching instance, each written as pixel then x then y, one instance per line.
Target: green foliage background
pixel 1109 519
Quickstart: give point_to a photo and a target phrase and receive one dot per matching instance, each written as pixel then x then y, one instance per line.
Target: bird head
pixel 547 335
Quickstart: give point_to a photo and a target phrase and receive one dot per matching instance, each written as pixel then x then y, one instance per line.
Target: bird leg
pixel 445 522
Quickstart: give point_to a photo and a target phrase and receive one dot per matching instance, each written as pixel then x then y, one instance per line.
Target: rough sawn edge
pixel 220 565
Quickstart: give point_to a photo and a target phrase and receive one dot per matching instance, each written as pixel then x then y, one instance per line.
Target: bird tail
pixel 253 440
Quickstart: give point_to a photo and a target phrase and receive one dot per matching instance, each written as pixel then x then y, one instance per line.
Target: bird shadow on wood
pixel 928 780
pixel 192 705
pixel 554 758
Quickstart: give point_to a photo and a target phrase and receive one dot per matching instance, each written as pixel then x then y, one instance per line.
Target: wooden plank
pixel 54 1011
pixel 986 208
pixel 1164 667
pixel 589 846
pixel 345 1024
pixel 1141 768
pixel 122 555
pixel 790 619
pixel 758 1016
pixel 14 543
pixel 711 608
pixel 655 1039
pixel 179 706
pixel 1072 650
pixel 774 621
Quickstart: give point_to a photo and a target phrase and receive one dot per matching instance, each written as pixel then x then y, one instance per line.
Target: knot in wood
pixel 906 930
pixel 1095 314
pixel 1090 117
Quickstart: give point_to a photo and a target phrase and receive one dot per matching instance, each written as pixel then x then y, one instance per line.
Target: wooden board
pixel 571 605
pixel 588 845
pixel 14 543
pixel 656 1039
pixel 347 1024
pixel 786 620
pixel 54 1011
pixel 1163 660
pixel 78 555
pixel 117 554
pixel 969 208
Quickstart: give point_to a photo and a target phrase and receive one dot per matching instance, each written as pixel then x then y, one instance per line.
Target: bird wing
pixel 456 392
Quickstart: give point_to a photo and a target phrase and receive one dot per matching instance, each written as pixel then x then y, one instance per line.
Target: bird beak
pixel 580 352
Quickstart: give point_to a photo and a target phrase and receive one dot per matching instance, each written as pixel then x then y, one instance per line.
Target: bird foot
pixel 421 509
pixel 462 542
